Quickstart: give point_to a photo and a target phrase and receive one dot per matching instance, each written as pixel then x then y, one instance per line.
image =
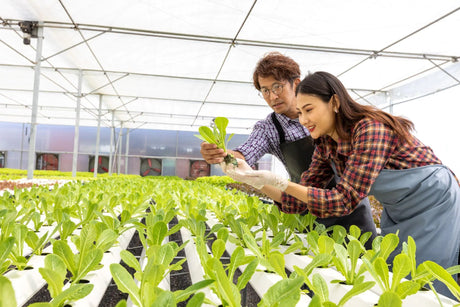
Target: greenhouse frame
pixel 110 95
pixel 181 65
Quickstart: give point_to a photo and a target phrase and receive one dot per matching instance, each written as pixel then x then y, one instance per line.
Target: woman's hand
pixel 237 173
pixel 263 178
pixel 258 179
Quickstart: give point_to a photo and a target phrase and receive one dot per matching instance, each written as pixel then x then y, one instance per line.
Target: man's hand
pixel 211 153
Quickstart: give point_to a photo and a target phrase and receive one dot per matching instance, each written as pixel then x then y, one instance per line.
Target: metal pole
pixel 77 127
pixel 390 101
pixel 120 146
pixel 24 129
pixel 127 150
pixel 33 131
pixel 98 137
pixel 112 133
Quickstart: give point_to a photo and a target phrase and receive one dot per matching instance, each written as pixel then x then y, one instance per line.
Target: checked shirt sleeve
pixel 256 145
pixel 371 145
pixel 318 175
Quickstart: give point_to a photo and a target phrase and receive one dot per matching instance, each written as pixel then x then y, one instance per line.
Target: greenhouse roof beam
pixel 41 25
pixel 95 57
pixel 224 60
pixel 387 88
pixel 74 94
pixel 254 43
pixel 111 82
pixel 131 73
pixel 424 86
pixel 424 56
pixel 106 111
pixel 73 46
pixel 18 52
pixel 43 108
pixel 445 71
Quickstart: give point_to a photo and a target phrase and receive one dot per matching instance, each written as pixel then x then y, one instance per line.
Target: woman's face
pixel 316 115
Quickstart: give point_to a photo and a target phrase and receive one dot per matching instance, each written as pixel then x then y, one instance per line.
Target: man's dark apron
pixel 297 155
pixel 423 203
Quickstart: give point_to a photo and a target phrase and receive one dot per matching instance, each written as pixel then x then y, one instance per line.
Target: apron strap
pixel 279 128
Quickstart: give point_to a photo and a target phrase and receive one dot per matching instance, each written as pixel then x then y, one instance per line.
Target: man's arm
pixel 214 155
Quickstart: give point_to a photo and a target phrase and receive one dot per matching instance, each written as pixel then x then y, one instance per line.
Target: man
pixel 276 77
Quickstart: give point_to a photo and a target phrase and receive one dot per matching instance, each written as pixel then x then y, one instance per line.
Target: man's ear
pixel 296 82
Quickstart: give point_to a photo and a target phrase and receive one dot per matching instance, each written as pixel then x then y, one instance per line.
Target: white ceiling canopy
pixel 177 64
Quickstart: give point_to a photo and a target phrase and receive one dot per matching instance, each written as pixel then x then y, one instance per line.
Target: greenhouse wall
pixel 177 150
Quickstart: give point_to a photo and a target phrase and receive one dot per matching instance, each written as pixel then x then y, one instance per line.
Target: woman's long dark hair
pixel 324 85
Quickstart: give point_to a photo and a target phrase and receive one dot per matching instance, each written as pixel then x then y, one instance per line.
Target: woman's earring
pixel 336 111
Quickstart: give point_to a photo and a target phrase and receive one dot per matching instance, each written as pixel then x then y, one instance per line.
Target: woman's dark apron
pixel 423 203
pixel 297 155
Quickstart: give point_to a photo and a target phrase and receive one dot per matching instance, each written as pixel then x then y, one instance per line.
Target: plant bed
pixel 179 279
pixel 27 282
pixel 261 280
pixel 268 262
pixel 194 265
pixel 376 207
pixel 249 296
pixel 102 278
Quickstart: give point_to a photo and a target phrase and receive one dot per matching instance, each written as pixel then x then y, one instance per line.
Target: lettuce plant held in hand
pixel 218 135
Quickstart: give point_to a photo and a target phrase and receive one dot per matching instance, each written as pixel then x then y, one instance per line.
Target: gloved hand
pixel 236 173
pixel 230 168
pixel 244 173
pixel 260 178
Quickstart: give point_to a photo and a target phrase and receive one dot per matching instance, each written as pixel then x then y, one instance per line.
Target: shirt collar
pixel 283 119
pixel 332 148
pixel 290 122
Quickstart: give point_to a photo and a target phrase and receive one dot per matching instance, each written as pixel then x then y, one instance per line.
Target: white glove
pixel 236 173
pixel 258 179
pixel 244 173
pixel 230 168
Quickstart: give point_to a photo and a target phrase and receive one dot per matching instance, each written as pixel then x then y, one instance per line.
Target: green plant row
pixel 106 208
pixel 13 174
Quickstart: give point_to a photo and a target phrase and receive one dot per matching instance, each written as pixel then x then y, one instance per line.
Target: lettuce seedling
pixel 7 291
pixel 218 135
pixel 6 246
pixel 285 292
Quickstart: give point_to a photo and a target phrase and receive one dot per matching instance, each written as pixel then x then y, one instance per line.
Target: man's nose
pixel 272 93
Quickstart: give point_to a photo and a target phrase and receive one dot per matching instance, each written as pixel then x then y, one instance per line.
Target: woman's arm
pixel 294 189
pixel 359 163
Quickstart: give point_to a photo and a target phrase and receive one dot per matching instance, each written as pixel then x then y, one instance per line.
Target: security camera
pixel 29 30
pixel 26 38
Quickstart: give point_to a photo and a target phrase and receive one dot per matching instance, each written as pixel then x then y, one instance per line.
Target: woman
pixel 369 152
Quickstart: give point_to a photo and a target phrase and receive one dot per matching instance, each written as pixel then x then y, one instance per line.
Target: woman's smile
pixel 316 115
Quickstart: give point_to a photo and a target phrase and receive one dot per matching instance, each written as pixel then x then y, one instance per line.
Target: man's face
pixel 279 95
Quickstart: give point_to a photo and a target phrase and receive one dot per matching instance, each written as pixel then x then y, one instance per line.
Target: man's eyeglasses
pixel 276 89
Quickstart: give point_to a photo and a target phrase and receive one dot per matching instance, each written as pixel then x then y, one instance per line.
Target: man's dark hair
pixel 281 67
